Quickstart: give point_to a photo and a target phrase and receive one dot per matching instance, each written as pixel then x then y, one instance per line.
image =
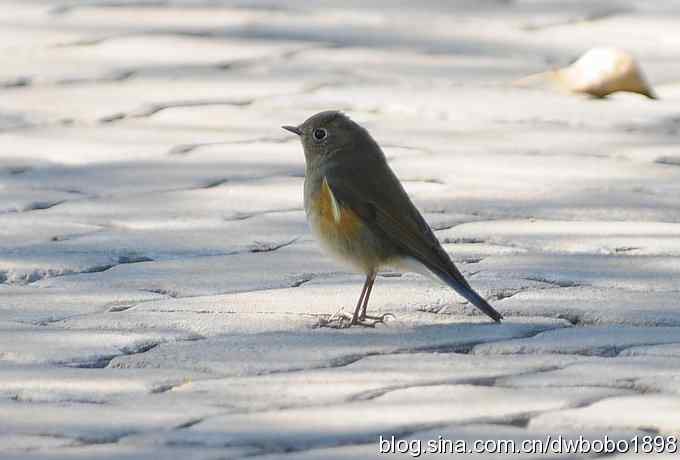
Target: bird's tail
pixel 451 276
pixel 454 279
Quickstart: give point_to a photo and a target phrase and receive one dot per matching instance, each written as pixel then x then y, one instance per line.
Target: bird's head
pixel 328 133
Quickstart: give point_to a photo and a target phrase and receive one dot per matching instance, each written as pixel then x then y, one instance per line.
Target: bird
pixel 360 213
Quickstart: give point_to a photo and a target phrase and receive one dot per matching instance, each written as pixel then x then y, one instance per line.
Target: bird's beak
pixel 293 129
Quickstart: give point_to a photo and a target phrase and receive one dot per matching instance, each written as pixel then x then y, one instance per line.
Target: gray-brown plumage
pixel 359 211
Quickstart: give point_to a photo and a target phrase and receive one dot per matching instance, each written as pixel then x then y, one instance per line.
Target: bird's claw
pixel 379 319
pixel 343 320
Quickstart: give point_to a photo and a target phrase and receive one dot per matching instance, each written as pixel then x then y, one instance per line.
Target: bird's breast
pixel 334 220
pixel 339 229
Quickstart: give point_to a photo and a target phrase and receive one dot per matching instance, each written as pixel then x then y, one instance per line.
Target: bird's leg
pixel 363 298
pixel 341 316
pixel 341 319
pixel 370 279
pixel 363 316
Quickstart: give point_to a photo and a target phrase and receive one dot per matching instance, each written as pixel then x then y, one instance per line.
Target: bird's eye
pixel 320 134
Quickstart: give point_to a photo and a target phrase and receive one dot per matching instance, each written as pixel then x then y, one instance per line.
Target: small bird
pixel 359 211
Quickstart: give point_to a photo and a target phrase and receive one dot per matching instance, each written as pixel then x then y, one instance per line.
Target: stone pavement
pixel 159 289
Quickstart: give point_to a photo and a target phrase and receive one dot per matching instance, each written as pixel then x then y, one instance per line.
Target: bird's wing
pixel 378 198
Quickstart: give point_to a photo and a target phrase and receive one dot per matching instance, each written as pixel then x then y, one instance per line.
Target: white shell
pixel 602 71
pixel 599 72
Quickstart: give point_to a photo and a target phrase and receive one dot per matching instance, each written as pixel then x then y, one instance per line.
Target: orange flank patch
pixel 335 220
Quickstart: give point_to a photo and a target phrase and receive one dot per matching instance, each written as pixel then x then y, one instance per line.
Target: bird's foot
pixel 381 318
pixel 371 321
pixel 343 320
